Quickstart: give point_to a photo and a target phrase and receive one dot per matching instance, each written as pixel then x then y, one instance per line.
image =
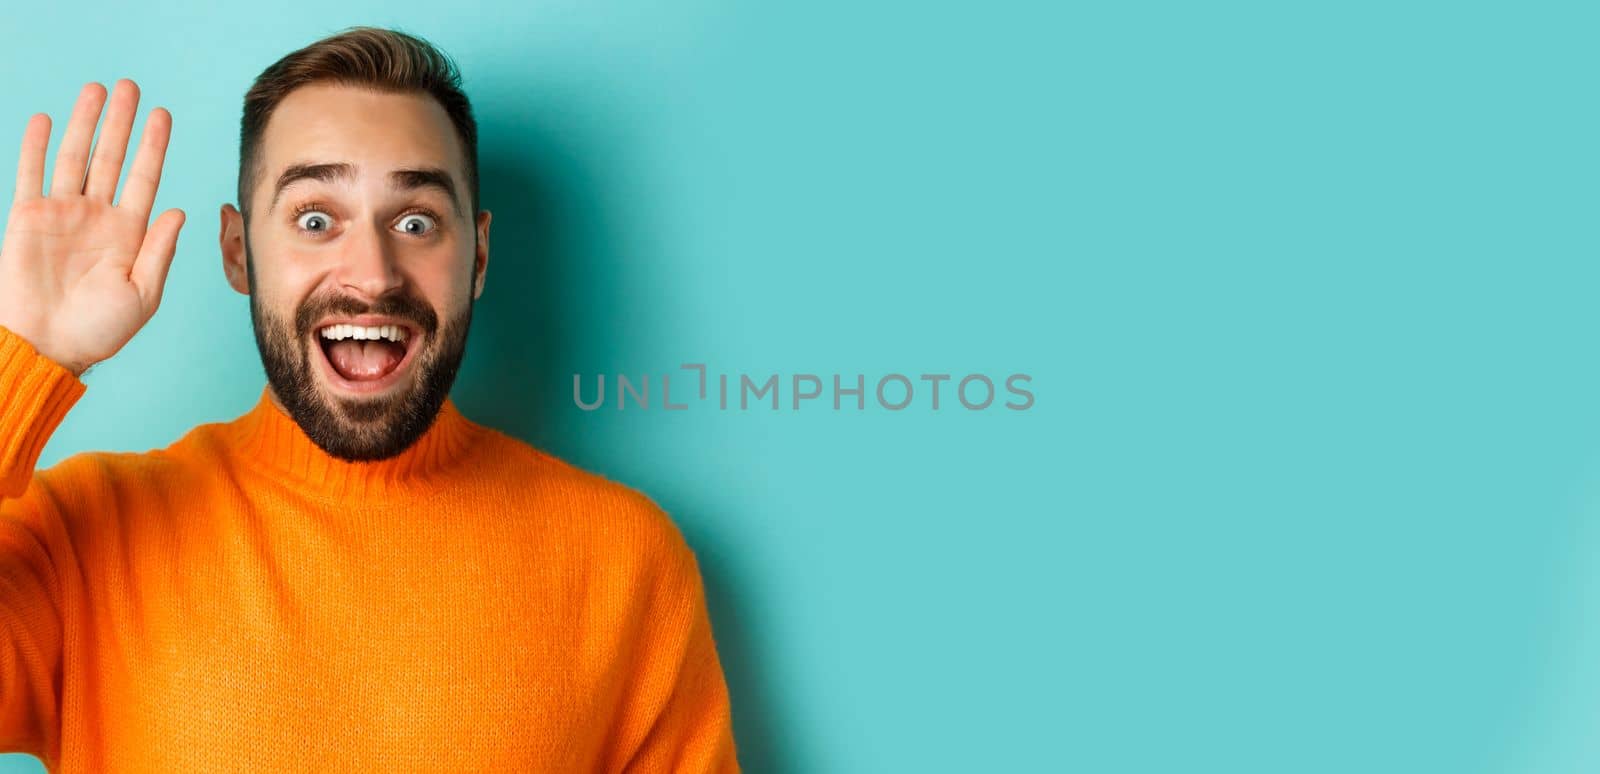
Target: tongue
pixel 361 361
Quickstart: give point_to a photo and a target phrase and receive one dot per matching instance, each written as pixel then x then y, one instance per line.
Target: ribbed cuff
pixel 35 394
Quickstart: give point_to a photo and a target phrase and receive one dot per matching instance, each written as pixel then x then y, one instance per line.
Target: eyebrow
pixel 399 179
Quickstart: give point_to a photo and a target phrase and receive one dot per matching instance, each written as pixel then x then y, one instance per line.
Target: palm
pixel 79 274
pixel 70 258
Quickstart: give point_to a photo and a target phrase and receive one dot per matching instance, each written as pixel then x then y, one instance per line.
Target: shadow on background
pixel 549 245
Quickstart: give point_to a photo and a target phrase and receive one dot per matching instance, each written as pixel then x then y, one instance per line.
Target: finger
pixel 73 155
pixel 105 164
pixel 30 162
pixel 149 272
pixel 139 193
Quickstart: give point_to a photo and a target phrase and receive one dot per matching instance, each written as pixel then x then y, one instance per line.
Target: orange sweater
pixel 241 601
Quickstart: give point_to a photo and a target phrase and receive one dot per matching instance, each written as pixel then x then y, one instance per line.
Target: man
pixel 352 576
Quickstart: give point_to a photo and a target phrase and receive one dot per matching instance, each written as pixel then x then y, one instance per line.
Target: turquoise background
pixel 1307 292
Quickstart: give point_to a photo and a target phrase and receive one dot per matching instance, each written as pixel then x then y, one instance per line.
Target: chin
pixel 362 387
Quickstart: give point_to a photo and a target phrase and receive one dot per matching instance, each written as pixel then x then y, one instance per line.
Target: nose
pixel 367 264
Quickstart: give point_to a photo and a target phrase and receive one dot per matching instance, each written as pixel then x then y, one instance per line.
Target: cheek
pixel 280 296
pixel 279 270
pixel 446 287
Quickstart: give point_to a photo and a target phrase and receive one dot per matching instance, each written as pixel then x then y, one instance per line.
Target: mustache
pixel 403 306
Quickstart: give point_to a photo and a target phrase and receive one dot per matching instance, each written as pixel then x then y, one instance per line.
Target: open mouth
pixel 365 354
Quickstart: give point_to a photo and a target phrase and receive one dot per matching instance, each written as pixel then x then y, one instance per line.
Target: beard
pixel 370 428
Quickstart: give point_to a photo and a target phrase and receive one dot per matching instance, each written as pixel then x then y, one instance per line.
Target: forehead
pixel 371 130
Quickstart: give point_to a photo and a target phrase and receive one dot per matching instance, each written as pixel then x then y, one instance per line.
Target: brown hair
pixel 370 57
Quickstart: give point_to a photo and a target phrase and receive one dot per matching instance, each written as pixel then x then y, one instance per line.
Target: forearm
pixel 35 395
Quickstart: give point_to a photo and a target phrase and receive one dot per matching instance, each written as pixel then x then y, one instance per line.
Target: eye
pixel 312 221
pixel 417 224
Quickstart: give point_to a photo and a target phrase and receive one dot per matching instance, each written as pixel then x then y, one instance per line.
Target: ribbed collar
pixel 268 438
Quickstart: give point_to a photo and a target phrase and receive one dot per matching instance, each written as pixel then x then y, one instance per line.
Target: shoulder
pixel 611 510
pixel 105 477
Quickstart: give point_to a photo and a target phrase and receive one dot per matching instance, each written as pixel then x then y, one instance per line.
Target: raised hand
pixel 79 273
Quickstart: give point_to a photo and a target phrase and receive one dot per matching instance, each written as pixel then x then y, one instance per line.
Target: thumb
pixel 149 273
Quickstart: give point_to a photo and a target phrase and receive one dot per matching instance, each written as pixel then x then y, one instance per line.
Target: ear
pixel 232 239
pixel 480 263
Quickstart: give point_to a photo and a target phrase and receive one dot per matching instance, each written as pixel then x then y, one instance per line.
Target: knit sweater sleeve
pixel 685 697
pixel 35 394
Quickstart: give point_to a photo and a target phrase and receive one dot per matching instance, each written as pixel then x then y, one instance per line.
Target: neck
pixel 268 438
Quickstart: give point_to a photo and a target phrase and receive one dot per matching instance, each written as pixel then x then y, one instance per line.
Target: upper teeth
pixel 390 332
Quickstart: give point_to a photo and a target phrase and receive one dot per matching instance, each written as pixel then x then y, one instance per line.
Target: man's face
pixel 361 264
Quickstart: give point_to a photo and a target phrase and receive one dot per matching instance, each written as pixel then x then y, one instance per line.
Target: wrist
pixel 74 366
